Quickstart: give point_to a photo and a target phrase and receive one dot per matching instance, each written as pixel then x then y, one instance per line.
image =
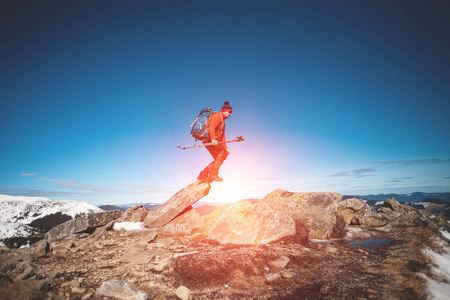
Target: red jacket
pixel 216 126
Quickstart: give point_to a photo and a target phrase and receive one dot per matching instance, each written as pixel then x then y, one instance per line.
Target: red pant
pixel 219 153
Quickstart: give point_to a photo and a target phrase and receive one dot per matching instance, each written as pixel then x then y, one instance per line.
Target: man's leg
pixel 204 175
pixel 219 153
pixel 218 161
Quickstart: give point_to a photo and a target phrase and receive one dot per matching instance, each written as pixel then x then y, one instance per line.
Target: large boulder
pixel 352 207
pixel 278 215
pixel 84 223
pixel 163 214
pixel 246 223
pixel 317 211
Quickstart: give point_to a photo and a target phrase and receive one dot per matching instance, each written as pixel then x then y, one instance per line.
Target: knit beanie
pixel 226 107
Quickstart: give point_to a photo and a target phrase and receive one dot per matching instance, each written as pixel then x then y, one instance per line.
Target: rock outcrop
pixel 398 215
pixel 136 213
pixel 163 214
pixel 317 211
pixel 246 223
pixel 353 207
pixel 81 224
pixel 278 215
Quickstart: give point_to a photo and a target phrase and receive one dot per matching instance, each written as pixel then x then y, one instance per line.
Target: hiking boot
pixel 203 177
pixel 215 178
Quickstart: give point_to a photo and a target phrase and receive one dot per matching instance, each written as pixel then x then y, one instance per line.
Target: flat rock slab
pixel 163 214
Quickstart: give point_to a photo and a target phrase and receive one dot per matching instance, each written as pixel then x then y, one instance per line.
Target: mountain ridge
pixel 411 197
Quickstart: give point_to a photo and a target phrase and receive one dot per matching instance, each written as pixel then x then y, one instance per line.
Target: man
pixel 219 152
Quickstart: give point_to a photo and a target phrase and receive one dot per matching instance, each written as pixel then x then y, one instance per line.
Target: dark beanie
pixel 226 107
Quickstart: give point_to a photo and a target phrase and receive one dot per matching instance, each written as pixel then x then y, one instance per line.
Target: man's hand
pixel 214 142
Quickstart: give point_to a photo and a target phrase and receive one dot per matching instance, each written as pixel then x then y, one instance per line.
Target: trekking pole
pixel 238 139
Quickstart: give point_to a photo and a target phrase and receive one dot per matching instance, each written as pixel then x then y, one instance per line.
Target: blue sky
pixel 337 96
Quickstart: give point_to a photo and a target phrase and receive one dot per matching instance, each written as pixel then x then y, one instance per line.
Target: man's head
pixel 226 110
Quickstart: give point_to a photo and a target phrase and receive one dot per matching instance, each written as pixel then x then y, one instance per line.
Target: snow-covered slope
pixel 16 213
pixel 24 210
pixel 10 230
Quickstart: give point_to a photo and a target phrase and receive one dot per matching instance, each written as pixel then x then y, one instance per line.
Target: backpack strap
pixel 216 112
pixel 195 121
pixel 222 122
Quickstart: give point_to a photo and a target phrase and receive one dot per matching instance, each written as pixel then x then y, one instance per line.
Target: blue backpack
pixel 199 127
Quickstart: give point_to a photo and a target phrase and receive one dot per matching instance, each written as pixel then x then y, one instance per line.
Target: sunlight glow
pixel 230 190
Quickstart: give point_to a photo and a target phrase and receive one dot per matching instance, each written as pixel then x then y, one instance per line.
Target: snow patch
pixel 352 231
pixel 131 226
pixel 320 241
pixel 439 285
pixel 25 246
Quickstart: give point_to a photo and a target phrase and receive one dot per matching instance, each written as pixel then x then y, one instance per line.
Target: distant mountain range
pixel 411 198
pixel 124 207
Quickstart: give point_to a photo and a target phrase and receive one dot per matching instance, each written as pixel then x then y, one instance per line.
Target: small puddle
pixel 369 243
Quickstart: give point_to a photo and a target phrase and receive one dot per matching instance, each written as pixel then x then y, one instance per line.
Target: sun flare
pixel 231 190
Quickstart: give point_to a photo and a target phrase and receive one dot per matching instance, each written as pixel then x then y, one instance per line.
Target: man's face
pixel 227 114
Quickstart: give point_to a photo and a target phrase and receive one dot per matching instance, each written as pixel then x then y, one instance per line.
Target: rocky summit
pixel 284 246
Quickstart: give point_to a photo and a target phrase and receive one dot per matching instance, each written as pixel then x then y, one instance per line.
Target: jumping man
pixel 219 152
